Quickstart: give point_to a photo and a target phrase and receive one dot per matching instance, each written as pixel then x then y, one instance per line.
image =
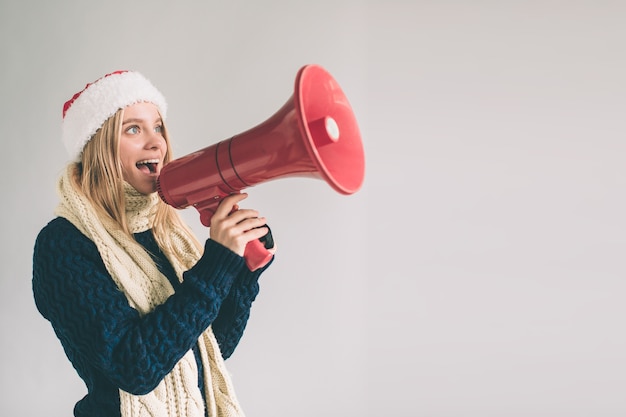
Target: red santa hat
pixel 88 109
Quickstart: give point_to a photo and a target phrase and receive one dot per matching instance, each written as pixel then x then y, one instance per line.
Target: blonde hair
pixel 99 177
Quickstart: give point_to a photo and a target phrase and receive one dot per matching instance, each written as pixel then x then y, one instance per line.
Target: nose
pixel 154 140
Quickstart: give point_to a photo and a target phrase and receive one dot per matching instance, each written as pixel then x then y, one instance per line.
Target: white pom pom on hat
pixel 88 109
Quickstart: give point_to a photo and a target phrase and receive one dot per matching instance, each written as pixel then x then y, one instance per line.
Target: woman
pixel 145 313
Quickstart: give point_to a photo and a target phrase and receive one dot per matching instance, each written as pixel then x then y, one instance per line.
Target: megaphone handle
pixel 257 254
pixel 205 216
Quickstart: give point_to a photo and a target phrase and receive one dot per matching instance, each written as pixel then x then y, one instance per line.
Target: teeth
pixel 148 161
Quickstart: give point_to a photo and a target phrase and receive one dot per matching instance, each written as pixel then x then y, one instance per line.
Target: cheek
pixel 124 151
pixel 126 168
pixel 126 161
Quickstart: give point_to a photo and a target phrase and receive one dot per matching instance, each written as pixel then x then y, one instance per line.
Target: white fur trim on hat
pixel 85 113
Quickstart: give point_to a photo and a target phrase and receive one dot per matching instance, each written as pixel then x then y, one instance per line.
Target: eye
pixel 158 129
pixel 133 130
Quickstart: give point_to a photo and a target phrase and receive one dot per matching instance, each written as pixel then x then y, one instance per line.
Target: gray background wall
pixel 479 271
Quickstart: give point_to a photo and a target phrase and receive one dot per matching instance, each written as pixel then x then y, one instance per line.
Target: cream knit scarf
pixel 134 272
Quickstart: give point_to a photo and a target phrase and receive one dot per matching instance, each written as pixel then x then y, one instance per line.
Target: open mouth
pixel 148 166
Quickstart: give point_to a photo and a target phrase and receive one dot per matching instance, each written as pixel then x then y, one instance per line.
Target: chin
pixel 149 190
pixel 145 188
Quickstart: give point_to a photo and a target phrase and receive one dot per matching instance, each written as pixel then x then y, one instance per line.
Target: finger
pixel 256 233
pixel 241 215
pixel 229 204
pixel 248 225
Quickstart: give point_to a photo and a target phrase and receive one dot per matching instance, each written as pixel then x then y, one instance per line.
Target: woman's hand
pixel 233 227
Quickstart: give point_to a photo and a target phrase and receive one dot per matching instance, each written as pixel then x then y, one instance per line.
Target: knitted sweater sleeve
pixel 234 313
pixel 99 330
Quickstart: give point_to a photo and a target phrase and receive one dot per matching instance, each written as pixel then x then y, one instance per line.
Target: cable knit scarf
pixel 145 287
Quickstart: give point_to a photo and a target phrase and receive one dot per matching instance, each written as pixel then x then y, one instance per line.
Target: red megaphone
pixel 314 134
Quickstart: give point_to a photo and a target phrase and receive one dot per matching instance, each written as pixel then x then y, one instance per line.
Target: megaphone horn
pixel 314 134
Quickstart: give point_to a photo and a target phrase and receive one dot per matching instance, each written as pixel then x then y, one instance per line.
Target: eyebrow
pixel 127 121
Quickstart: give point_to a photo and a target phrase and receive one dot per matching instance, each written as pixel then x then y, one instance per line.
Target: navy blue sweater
pixel 109 344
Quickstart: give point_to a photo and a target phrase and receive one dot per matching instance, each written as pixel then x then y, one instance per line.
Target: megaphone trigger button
pixel 268 239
